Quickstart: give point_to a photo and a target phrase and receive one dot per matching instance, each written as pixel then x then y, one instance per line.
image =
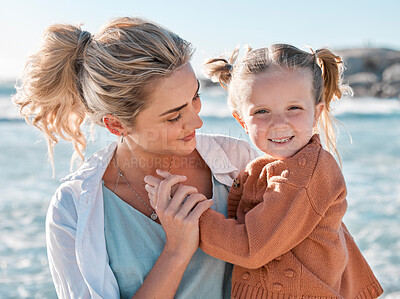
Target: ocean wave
pixel 366 107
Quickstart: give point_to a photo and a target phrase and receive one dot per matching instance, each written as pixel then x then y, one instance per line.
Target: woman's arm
pixel 164 278
pixel 60 240
pixel 180 222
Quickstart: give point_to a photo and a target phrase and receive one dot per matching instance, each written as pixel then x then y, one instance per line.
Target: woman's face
pixel 167 126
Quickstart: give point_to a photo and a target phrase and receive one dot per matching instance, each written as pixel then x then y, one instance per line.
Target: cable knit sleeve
pixel 300 190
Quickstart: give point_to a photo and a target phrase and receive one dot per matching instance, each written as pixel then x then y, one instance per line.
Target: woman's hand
pixel 179 208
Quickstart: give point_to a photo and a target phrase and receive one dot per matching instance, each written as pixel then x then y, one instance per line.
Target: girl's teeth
pixel 281 140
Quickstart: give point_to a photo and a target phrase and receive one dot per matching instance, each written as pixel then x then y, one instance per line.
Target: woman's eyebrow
pixel 173 110
pixel 182 106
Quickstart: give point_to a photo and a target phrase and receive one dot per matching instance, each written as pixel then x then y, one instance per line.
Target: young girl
pixel 285 233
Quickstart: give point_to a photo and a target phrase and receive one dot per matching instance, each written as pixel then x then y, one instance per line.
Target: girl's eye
pixel 262 111
pixel 295 108
pixel 174 120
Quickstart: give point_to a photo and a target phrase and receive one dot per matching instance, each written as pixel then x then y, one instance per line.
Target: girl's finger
pixel 153 200
pixel 152 194
pixel 151 189
pixel 163 173
pixel 151 180
pixel 164 190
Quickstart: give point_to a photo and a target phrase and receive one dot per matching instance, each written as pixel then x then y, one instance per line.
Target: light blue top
pixel 134 242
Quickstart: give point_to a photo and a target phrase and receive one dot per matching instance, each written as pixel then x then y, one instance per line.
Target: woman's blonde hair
pixel 76 75
pixel 326 69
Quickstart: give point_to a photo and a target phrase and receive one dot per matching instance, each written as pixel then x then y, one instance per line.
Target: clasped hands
pixel 170 193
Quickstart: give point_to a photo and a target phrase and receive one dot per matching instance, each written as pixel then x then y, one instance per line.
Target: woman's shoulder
pixel 87 177
pixel 225 154
pixel 222 139
pixel 229 145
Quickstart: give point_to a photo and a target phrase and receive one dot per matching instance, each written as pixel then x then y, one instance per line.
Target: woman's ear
pixel 114 125
pixel 240 120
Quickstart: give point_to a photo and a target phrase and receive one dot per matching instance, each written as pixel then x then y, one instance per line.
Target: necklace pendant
pixel 153 216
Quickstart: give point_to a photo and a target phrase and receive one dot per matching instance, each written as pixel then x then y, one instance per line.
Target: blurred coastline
pixel 371 72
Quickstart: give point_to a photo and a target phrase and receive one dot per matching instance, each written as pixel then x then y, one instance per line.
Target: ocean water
pixel 371 166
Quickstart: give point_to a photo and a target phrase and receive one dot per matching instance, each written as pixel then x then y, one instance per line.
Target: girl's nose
pixel 279 121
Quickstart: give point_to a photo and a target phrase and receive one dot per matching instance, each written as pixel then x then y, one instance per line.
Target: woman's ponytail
pixel 50 94
pixel 75 76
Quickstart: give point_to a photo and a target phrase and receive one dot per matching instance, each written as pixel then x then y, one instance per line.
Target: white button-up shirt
pixel 75 239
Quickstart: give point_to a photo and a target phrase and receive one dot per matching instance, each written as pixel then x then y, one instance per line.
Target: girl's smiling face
pixel 280 112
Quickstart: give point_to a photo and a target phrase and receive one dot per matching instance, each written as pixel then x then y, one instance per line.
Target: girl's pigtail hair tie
pixel 221 70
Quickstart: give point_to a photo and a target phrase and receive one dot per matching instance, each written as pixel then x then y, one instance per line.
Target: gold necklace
pixel 153 215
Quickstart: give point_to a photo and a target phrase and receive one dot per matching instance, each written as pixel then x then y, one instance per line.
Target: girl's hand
pixel 179 217
pixel 152 185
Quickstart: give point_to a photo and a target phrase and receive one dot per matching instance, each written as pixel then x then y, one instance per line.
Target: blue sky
pixel 213 27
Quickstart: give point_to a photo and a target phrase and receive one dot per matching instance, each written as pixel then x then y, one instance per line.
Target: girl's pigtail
pixel 332 73
pixel 220 69
pixel 50 94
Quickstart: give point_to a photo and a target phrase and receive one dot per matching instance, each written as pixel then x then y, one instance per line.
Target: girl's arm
pixel 288 213
pixel 292 206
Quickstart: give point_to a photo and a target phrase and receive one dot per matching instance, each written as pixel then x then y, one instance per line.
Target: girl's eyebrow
pixel 182 106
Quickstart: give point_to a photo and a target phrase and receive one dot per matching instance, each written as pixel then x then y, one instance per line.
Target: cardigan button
pixel 246 275
pixel 278 258
pixel 277 287
pixel 236 183
pixel 290 273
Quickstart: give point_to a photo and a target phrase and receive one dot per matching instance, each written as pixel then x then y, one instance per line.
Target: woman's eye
pixel 175 119
pixel 196 97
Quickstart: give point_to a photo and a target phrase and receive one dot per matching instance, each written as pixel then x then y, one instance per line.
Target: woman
pixel 104 239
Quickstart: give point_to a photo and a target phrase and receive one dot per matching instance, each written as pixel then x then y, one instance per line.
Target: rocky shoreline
pixel 371 72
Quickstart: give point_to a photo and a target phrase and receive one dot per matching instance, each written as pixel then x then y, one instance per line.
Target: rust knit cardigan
pixel 285 233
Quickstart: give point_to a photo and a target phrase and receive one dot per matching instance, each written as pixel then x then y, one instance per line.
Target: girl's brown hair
pixel 76 75
pixel 326 69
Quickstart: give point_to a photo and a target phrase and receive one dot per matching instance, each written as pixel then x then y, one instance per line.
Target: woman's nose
pixel 194 121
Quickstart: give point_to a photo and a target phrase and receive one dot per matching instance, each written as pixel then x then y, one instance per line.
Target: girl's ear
pixel 317 112
pixel 240 120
